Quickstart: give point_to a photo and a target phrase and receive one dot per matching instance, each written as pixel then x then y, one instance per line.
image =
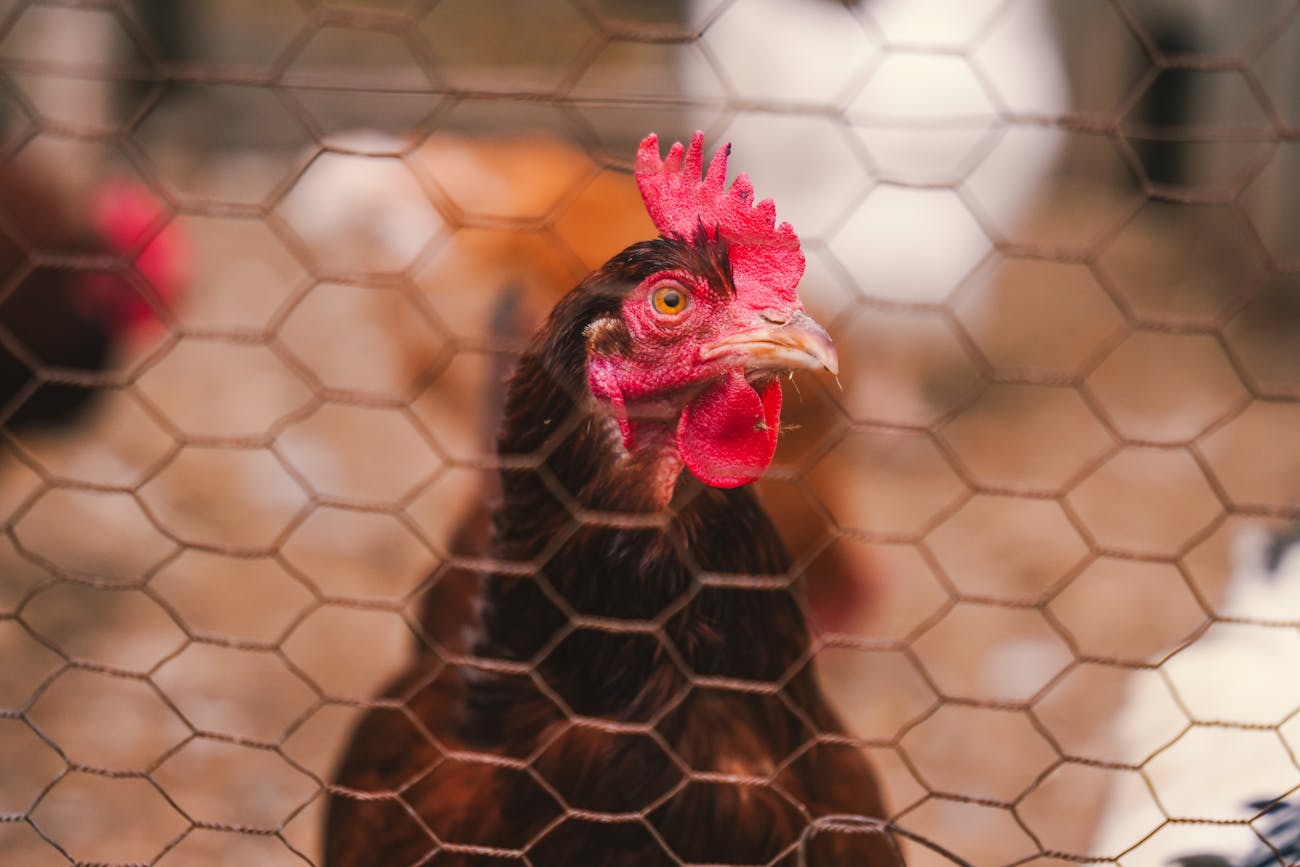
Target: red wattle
pixel 727 435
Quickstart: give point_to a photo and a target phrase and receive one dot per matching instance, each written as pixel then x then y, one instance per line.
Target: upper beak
pixel 794 342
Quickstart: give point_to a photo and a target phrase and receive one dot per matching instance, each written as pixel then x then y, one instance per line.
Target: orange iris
pixel 669 299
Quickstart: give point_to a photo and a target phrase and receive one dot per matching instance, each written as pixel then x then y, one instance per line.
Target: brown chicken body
pixel 639 690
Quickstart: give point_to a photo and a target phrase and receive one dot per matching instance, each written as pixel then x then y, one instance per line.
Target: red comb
pixel 766 261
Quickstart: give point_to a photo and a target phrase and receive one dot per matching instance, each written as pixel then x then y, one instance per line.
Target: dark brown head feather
pixel 608 335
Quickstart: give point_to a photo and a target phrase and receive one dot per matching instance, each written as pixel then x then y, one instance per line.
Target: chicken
pixel 639 690
pixel 1240 683
pixel 63 324
pixel 1280 825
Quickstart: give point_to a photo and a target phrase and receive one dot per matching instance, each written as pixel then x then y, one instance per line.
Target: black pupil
pixel 672 299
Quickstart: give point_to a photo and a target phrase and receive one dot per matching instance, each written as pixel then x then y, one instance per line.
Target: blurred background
pixel 265 264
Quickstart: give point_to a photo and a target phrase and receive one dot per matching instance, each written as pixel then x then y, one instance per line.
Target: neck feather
pixel 609 553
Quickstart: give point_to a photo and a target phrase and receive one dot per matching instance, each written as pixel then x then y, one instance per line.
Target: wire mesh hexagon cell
pixel 264 268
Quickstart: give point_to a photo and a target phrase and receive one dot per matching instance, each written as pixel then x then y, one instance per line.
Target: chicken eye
pixel 669 300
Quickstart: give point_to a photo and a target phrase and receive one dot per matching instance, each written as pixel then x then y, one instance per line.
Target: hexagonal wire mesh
pixel 1056 244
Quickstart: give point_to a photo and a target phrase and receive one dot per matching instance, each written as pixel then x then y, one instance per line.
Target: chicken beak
pixel 779 342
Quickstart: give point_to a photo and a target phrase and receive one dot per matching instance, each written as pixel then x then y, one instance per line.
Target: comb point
pixel 647 156
pixel 673 162
pixel 742 190
pixel 716 178
pixel 694 164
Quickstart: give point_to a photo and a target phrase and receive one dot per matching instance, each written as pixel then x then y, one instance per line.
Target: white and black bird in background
pixel 1229 782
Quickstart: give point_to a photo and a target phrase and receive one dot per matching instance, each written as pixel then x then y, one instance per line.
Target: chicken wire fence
pixel 1058 247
